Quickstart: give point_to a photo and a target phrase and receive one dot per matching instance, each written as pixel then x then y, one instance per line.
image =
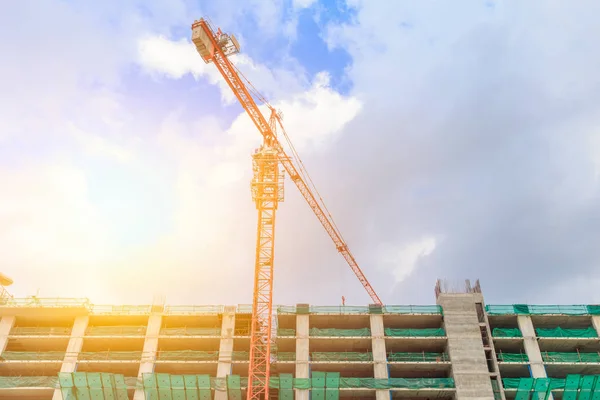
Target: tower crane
pixel 270 163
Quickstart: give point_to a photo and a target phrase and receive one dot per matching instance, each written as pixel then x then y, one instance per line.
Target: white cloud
pixel 300 4
pixel 402 261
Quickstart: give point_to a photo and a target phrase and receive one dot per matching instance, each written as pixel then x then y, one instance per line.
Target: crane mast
pixel 267 192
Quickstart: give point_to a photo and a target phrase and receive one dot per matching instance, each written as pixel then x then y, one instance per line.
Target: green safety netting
pixel 286 386
pixel 33 331
pixel 92 385
pixel 412 309
pixel 286 332
pixel 566 332
pixel 28 381
pixel 417 357
pixel 187 355
pixel 506 332
pixel 335 356
pixel 389 309
pixel 340 332
pixel 557 357
pixel 339 309
pixel 115 330
pixel 190 331
pixel 110 355
pixel 240 356
pixel 153 382
pixel 397 383
pixel 512 357
pixel 33 355
pixel 575 387
pixel 543 309
pixel 426 332
pixel 286 356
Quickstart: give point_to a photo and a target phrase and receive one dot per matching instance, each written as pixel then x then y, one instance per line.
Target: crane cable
pixel 303 171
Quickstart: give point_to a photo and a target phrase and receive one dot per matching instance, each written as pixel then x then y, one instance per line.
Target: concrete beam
pixel 6 324
pixel 149 352
pixel 380 368
pixel 73 348
pixel 225 348
pixel 302 353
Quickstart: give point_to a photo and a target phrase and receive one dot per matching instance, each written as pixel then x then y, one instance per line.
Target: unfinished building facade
pixel 459 348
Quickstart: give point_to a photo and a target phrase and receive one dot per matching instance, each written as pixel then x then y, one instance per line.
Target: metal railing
pixel 413 309
pixel 190 331
pixel 135 356
pixel 116 330
pixel 33 356
pixel 194 310
pixel 417 357
pixel 187 355
pixel 120 310
pixel 40 331
pixel 340 356
pixel 49 302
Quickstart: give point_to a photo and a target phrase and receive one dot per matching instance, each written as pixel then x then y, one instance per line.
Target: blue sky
pixel 449 140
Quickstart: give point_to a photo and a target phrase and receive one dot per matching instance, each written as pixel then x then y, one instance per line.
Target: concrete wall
pixel 465 347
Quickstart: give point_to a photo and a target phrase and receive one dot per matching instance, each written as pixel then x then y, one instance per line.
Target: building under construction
pixel 459 348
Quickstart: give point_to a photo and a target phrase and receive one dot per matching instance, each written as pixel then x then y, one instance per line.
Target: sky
pixel 455 140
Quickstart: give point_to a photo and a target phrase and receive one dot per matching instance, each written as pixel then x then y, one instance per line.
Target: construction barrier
pixel 506 332
pixel 28 381
pixel 153 383
pixel 285 356
pixel 33 355
pixel 526 309
pixel 574 387
pixel 286 332
pixel 362 332
pixel 110 355
pixel 90 385
pixel 336 356
pixel 557 332
pixel 557 357
pixel 116 330
pixel 187 355
pixel 512 357
pixel 418 357
pixel 357 310
pixel 190 331
pixel 426 332
pixel 41 331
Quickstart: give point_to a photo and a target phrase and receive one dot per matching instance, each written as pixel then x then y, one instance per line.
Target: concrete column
pixel 380 369
pixel 302 353
pixel 595 322
pixel 465 346
pixel 225 348
pixel 149 352
pixel 532 349
pixel 6 324
pixel 73 348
